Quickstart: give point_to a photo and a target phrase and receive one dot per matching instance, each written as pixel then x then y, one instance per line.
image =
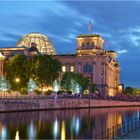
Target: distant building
pixel 99 66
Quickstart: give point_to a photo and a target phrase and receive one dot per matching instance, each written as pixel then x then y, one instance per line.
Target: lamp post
pixel 17 80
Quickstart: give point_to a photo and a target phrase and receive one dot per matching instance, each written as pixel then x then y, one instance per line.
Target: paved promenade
pixel 133 135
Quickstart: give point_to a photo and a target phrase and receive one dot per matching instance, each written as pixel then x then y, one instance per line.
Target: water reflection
pixel 63 131
pixel 17 135
pixel 64 124
pixel 3 132
pixel 31 131
pixel 55 129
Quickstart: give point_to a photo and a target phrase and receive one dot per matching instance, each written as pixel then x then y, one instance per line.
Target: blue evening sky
pixel 117 22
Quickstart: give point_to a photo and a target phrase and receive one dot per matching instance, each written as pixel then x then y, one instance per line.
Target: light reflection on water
pixel 17 135
pixel 31 131
pixel 62 124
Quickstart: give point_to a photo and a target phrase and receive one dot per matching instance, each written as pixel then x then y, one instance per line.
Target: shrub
pixel 9 91
pixel 48 92
pixel 23 91
pixel 38 92
pixel 69 92
pixel 59 92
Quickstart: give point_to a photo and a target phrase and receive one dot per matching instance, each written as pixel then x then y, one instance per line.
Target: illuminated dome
pixel 43 43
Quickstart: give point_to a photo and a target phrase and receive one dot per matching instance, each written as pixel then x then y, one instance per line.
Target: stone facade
pixel 95 63
pixel 25 104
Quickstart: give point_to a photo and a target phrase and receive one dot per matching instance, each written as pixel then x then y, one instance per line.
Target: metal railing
pixel 119 130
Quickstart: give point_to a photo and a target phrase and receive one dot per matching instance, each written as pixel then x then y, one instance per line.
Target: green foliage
pixel 59 92
pixel 136 91
pixel 45 70
pixel 18 67
pixel 4 84
pixel 31 85
pixel 128 90
pixel 23 91
pixel 69 92
pixel 68 77
pixel 131 90
pixel 93 88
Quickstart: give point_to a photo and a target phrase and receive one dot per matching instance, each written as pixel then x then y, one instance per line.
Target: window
pixel 87 68
pixel 87 45
pixel 83 45
pixel 92 44
pixel 71 68
pixel 63 68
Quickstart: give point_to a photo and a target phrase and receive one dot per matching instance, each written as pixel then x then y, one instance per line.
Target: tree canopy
pixel 93 88
pixel 131 90
pixel 18 67
pixel 69 77
pixel 43 69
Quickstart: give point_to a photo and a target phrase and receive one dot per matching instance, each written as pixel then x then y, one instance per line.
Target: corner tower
pixel 89 44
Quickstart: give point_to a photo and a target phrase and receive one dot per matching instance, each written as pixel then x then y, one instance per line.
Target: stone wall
pixel 48 104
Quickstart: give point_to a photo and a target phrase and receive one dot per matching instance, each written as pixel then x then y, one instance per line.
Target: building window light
pixel 63 68
pixel 72 68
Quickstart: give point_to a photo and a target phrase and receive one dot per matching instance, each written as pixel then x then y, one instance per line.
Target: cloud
pixel 135 39
pixel 79 24
pixel 122 51
pixel 71 36
pixel 105 35
pixel 59 38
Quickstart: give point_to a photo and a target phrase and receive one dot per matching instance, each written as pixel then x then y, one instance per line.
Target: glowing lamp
pixel 17 80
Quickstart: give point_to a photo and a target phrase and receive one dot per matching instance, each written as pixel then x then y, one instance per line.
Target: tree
pixel 69 78
pixel 129 90
pixel 4 84
pixel 18 67
pixel 31 85
pixel 45 70
pixel 93 88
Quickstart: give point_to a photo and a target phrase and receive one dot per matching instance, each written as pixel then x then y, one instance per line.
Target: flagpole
pixel 89 26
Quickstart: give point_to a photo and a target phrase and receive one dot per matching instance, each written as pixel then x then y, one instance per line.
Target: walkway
pixel 132 135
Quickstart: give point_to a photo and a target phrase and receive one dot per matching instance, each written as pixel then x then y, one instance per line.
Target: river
pixel 63 124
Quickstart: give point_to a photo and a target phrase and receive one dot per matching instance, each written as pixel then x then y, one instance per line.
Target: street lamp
pixel 17 80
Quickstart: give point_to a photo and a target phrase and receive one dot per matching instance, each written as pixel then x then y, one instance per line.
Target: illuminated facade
pixel 95 63
pixel 43 43
pixel 98 65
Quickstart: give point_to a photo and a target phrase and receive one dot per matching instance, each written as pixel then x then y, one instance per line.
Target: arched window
pixel 87 68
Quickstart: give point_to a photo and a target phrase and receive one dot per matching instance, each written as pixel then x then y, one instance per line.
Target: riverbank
pixel 30 104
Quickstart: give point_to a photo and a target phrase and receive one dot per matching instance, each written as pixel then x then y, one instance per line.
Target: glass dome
pixel 44 45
